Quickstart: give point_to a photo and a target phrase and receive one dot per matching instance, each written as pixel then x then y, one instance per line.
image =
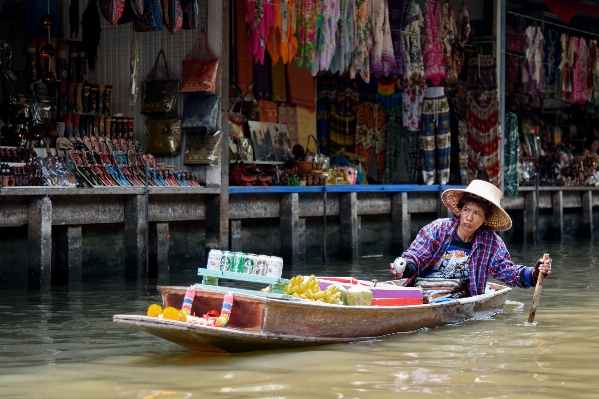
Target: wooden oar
pixel 535 298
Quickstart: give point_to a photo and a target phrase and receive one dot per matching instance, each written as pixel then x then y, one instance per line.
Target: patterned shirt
pixel 489 256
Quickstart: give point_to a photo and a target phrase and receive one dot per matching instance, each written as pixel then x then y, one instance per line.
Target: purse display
pixel 200 110
pixel 134 10
pixel 111 10
pixel 199 75
pixel 202 148
pixel 173 15
pixel 163 136
pixel 160 95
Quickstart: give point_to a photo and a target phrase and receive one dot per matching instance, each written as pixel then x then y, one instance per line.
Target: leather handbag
pixel 202 148
pixel 160 95
pixel 200 110
pixel 199 75
pixel 173 15
pixel 112 10
pixel 163 136
pixel 151 19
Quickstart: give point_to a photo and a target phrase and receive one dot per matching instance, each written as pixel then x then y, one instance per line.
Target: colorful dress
pixel 411 43
pixel 344 46
pixel 432 51
pixel 382 57
pixel 260 18
pixel 484 139
pixel 282 41
pixel 579 70
pixel 362 43
pixel 449 36
pixel 533 70
pixel 309 19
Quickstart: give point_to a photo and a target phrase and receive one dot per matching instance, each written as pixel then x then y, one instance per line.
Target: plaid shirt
pixel 489 255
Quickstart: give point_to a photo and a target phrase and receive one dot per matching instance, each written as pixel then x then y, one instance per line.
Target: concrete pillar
pixel 557 203
pixel 74 257
pixel 162 251
pixel 235 230
pixel 301 225
pixel 348 215
pixel 587 214
pixel 530 217
pixel 135 237
pixel 400 221
pixel 289 217
pixel 39 243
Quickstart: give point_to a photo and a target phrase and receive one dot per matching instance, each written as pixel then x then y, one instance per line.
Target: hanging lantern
pixel 47 22
pixel 48 51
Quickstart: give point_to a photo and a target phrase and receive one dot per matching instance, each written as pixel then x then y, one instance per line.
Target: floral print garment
pixel 363 41
pixel 282 41
pixel 413 97
pixel 566 66
pixel 532 67
pixel 579 71
pixel 331 13
pixel 309 19
pixel 344 46
pixel 432 52
pixel 449 36
pixel 371 128
pixel 382 56
pixel 411 44
pixel 260 18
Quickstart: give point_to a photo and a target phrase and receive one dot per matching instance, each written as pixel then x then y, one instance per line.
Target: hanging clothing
pixel 591 69
pixel 244 63
pixel 458 55
pixel 484 137
pixel 371 128
pixel 432 51
pixel 398 10
pixel 510 157
pixel 514 44
pixel 482 74
pixel 533 70
pixel 412 107
pixel 309 19
pixel 595 69
pixel 435 138
pixel 386 94
pixel 362 42
pixel 566 66
pixel 326 36
pixel 552 61
pixel 260 18
pixel 344 45
pixel 449 37
pixel 343 115
pixel 282 41
pixel 579 70
pixel 382 56
pixel 411 43
pixel 326 97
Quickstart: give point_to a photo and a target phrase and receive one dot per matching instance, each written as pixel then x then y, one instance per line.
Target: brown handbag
pixel 163 136
pixel 199 75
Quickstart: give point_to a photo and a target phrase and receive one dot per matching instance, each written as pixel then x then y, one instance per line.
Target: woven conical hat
pixel 499 220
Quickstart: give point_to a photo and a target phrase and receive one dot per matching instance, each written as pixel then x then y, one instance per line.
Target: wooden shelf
pixel 260 162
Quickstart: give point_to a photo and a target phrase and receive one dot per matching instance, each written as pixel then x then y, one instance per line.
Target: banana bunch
pixel 310 289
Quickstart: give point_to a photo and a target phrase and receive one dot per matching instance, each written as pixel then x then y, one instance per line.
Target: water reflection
pixel 64 344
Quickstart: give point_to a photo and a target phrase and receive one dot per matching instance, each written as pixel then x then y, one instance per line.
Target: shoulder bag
pixel 160 95
pixel 199 75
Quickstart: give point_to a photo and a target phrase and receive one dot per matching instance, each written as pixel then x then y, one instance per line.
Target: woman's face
pixel 594 146
pixel 472 217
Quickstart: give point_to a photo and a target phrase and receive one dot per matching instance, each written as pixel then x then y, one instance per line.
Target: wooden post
pixel 135 237
pixel 587 214
pixel 301 225
pixel 162 252
pixel 557 203
pixel 235 231
pixel 400 220
pixel 348 215
pixel 289 217
pixel 530 218
pixel 39 243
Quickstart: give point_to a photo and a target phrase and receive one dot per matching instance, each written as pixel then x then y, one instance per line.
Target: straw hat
pixel 499 220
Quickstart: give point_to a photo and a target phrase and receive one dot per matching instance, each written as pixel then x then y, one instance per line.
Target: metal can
pixel 275 266
pixel 250 263
pixel 238 260
pixel 226 261
pixel 261 266
pixel 214 257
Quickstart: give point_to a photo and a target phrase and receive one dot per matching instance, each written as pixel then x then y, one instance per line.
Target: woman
pixel 452 258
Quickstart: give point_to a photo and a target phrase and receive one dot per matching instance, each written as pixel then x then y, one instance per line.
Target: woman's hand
pixel 395 274
pixel 543 266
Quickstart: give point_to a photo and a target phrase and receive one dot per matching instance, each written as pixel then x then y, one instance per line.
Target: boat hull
pixel 259 323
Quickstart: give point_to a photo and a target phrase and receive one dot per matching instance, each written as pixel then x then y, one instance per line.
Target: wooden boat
pixel 261 323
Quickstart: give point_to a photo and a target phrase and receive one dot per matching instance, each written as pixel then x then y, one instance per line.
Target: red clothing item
pixel 566 9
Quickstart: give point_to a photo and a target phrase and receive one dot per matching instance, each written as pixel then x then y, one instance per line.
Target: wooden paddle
pixel 535 298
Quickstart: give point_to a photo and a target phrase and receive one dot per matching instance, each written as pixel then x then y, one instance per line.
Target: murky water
pixel 65 345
